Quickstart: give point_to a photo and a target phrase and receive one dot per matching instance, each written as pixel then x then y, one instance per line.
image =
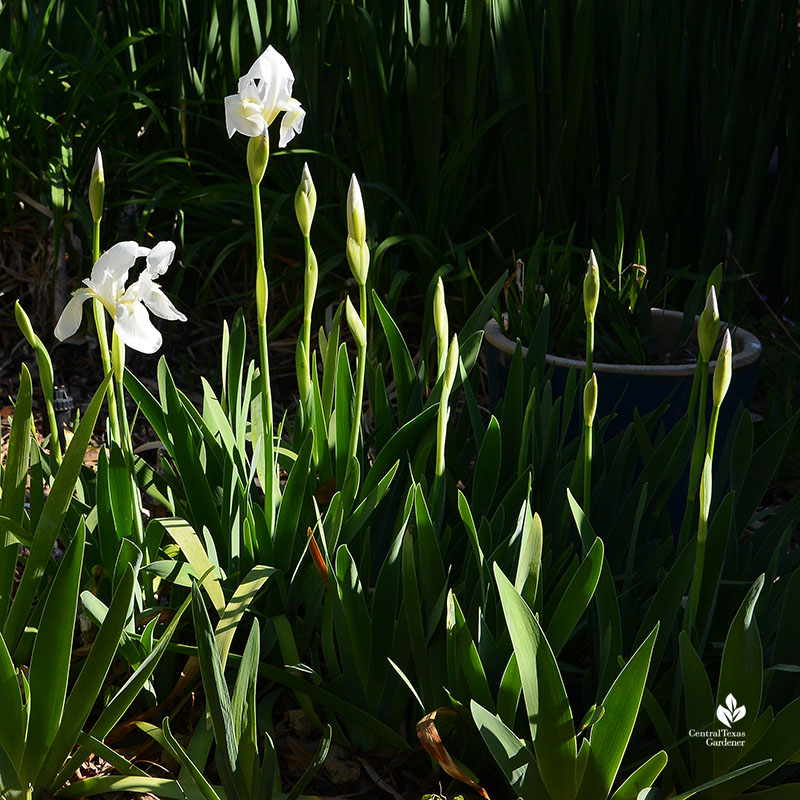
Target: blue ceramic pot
pixel 625 387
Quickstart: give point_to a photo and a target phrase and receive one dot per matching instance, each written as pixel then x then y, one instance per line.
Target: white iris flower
pixel 263 93
pixel 129 306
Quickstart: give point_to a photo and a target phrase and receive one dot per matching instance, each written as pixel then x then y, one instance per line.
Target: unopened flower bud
pixel 305 201
pixel 24 323
pixel 440 321
pixel 591 287
pixel 451 365
pixel 356 222
pixel 722 370
pixel 708 326
pixel 356 325
pixel 358 258
pixel 257 157
pixel 705 488
pixel 97 187
pixel 590 400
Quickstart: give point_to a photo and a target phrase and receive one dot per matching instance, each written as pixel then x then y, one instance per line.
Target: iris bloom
pixel 129 306
pixel 263 93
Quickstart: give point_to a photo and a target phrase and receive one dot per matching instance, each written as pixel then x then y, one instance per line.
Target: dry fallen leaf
pixel 429 737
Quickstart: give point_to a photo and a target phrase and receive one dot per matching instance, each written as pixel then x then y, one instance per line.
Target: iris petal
pixel 159 258
pixel 292 122
pixel 70 319
pixel 132 325
pixel 243 116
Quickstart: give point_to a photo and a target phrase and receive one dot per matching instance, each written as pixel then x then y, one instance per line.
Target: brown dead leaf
pixel 429 737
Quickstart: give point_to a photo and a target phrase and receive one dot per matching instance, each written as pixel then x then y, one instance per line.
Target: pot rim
pixel 747 350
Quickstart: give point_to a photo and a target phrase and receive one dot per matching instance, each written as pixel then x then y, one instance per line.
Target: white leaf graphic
pixel 738 714
pixel 724 716
pixel 730 702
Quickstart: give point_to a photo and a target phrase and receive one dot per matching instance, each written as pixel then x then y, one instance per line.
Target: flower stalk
pixel 448 380
pixel 305 204
pixel 359 333
pixel 440 323
pixel 707 333
pixel 262 297
pixel 45 376
pixel 591 296
pixel 589 411
pixel 700 553
pixel 96 196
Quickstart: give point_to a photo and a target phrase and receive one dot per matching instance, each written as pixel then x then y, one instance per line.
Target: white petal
pixel 133 326
pixel 111 270
pixel 160 305
pixel 291 123
pixel 160 257
pixel 273 69
pixel 70 319
pixel 275 81
pixel 243 116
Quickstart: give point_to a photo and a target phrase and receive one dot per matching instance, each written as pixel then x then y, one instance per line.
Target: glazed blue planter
pixel 623 388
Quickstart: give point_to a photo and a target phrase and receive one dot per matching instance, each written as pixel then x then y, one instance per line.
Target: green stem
pixel 304 377
pixel 587 438
pixel 712 432
pixel 102 341
pixel 362 303
pixel 587 470
pixel 355 429
pixel 118 357
pixel 698 454
pixel 697 578
pixel 262 295
pixel 361 369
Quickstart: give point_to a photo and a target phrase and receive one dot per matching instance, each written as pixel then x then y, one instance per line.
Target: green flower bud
pixel 356 325
pixel 708 326
pixel 591 287
pixel 118 357
pixel 358 258
pixel 356 222
pixel 440 321
pixel 24 323
pixel 312 273
pixel 590 400
pixel 705 489
pixel 305 201
pixel 257 157
pixel 722 370
pixel 97 187
pixel 451 365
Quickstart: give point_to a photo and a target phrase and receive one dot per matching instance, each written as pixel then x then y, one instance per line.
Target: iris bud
pixel 722 370
pixel 356 325
pixel 591 287
pixel 97 187
pixel 708 326
pixel 257 157
pixel 305 201
pixel 590 400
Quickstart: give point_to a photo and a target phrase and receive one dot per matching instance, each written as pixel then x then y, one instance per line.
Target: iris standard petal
pixel 275 76
pixel 292 122
pixel 159 258
pixel 132 325
pixel 114 264
pixel 70 319
pixel 243 116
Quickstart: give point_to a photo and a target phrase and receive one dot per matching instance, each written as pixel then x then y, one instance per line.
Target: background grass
pixel 475 125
